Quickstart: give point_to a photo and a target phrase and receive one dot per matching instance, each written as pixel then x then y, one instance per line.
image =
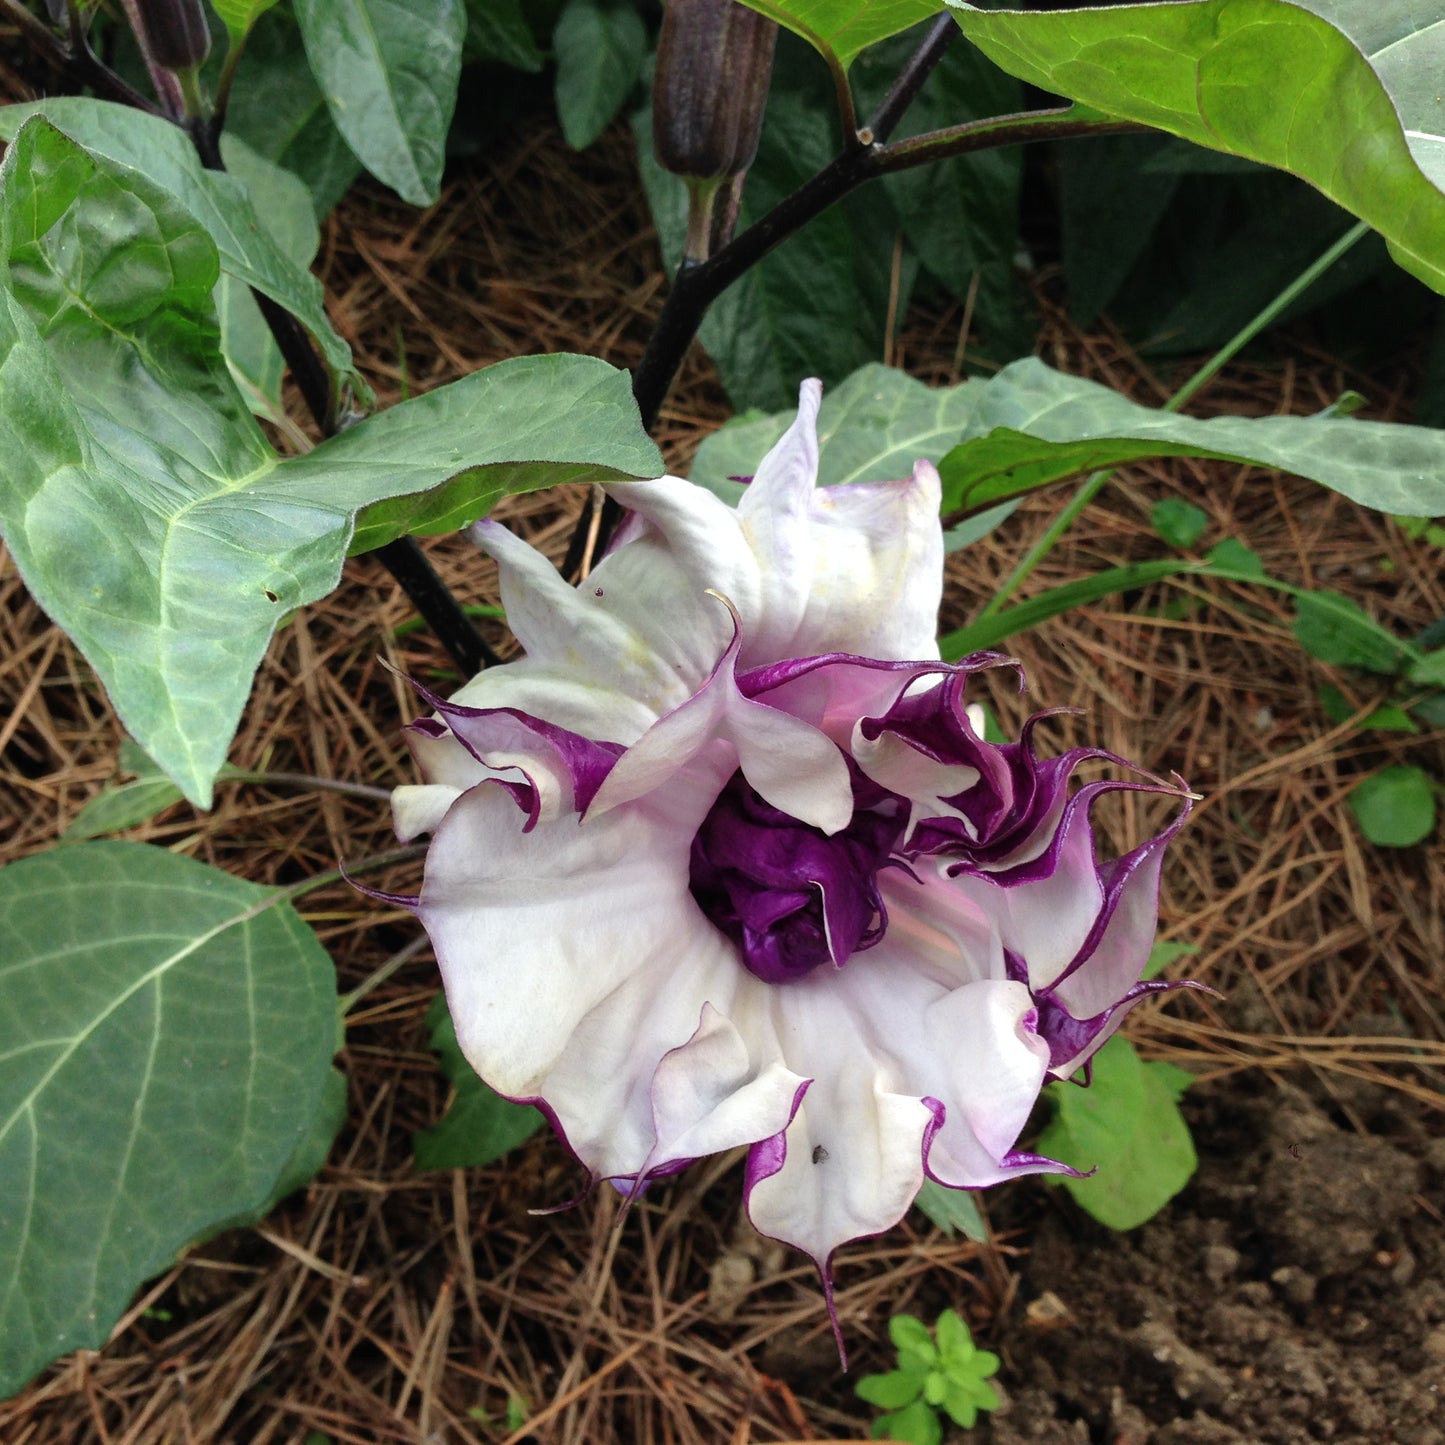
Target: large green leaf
pixel 161 153
pixel 1128 1126
pixel 841 28
pixel 1031 425
pixel 143 507
pixel 166 1033
pixel 1267 80
pixel 389 72
pixel 600 45
pixel 279 111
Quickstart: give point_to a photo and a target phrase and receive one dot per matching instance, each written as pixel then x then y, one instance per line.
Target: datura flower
pixel 725 862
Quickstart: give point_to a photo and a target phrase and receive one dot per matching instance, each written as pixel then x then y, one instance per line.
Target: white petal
pixel 577 965
pixel 710 1095
pixel 419 808
pixel 792 765
pixel 982 1035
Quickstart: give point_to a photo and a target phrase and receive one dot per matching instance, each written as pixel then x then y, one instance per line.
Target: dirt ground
pixel 1295 1291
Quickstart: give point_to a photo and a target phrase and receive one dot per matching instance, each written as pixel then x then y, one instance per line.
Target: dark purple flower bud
pixel 714 64
pixel 173 33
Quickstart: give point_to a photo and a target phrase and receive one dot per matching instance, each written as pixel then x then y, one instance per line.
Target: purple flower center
pixel 786 893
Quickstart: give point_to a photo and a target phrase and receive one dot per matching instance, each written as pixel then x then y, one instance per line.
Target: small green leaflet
pixel 238 16
pixel 1396 807
pixel 1128 1124
pixel 600 46
pixel 167 1033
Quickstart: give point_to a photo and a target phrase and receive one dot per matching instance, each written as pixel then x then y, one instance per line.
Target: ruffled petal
pixel 792 765
pixel 855 566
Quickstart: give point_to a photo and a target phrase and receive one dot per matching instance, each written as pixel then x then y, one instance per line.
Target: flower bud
pixel 714 63
pixel 173 33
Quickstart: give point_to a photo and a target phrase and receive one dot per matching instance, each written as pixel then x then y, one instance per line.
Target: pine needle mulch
pixel 382 1304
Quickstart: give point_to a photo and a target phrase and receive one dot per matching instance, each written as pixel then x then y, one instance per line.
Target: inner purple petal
pixel 788 895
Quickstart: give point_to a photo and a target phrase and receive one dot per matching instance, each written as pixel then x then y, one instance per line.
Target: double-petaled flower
pixel 725 861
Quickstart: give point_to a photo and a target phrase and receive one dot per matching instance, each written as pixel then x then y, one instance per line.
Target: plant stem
pixel 307 780
pixel 404 558
pixel 1097 480
pixel 379 975
pixel 698 284
pixel 353 870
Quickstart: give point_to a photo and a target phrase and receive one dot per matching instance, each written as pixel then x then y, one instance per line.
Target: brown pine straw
pixel 385 1305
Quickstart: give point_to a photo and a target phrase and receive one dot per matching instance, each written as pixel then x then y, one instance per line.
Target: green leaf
pixel 480 1126
pixel 955 1343
pixel 238 16
pixel 600 45
pixel 127 444
pixel 128 804
pixel 891 1391
pixel 908 1332
pixel 1429 671
pixel 498 31
pixel 166 1032
pixel 989 631
pixel 841 28
pixel 1386 718
pixel 953 1211
pixel 1164 953
pixel 1333 629
pixel 279 111
pixel 1178 522
pixel 915 1425
pixel 517 426
pixel 1232 556
pixel 871 428
pixel 1127 1124
pixel 1032 426
pixel 1396 807
pixel 1264 80
pixel 389 73
pixel 163 156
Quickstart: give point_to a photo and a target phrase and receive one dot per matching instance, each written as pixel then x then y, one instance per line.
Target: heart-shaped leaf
pixel 128 446
pixel 166 1033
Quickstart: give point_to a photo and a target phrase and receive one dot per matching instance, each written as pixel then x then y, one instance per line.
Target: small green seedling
pixel 950 1374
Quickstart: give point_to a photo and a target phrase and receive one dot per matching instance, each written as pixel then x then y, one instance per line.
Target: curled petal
pixel 792 765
